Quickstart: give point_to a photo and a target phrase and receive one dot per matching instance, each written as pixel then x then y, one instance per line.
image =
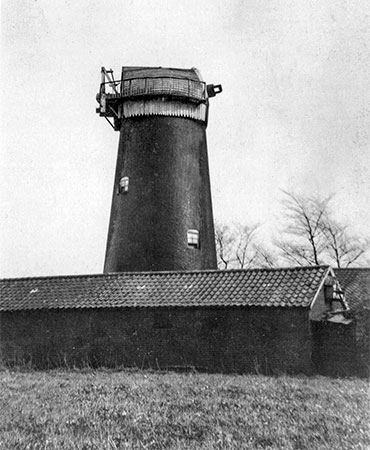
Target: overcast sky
pixel 294 112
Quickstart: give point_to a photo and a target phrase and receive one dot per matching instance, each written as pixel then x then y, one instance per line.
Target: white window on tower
pixel 193 239
pixel 123 185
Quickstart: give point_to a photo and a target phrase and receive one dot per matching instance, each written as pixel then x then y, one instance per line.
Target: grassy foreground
pixel 143 410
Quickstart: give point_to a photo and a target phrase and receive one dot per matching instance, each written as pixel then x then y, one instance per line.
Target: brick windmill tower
pixel 161 216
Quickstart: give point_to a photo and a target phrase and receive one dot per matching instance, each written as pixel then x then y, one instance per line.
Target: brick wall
pixel 362 319
pixel 169 193
pixel 334 349
pixel 266 340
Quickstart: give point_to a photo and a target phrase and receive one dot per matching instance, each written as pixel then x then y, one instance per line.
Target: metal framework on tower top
pixel 154 91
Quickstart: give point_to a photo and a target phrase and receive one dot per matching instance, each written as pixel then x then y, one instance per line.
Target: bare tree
pixel 302 242
pixel 343 248
pixel 245 249
pixel 265 258
pixel 224 245
pixel 238 248
pixel 311 236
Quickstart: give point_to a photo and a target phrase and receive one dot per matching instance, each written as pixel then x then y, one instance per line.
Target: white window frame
pixel 123 185
pixel 193 238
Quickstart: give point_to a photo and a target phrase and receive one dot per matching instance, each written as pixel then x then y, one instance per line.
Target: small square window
pixel 123 185
pixel 193 238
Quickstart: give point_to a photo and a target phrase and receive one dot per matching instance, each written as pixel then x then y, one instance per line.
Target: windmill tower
pixel 161 216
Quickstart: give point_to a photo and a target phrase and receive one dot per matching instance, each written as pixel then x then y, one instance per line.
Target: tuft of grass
pixel 144 410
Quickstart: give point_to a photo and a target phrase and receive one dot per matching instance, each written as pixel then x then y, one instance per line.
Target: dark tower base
pixel 165 160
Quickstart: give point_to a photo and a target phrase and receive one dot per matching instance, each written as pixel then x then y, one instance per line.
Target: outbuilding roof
pixel 356 285
pixel 294 287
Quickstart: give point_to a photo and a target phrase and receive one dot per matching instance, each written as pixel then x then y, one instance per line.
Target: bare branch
pixel 343 247
pixel 236 246
pixel 224 244
pixel 311 236
pixel 265 258
pixel 302 240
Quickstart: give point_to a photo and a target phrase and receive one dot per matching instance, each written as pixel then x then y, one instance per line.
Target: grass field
pixel 144 410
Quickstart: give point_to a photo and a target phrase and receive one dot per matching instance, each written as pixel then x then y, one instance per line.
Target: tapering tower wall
pixel 161 216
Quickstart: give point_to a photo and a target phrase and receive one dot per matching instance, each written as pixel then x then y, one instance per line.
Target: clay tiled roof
pixel 356 285
pixel 260 287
